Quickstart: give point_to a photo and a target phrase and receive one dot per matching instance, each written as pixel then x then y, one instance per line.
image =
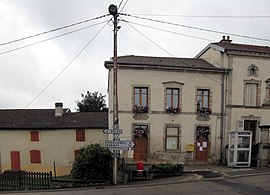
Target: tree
pixel 93 162
pixel 92 102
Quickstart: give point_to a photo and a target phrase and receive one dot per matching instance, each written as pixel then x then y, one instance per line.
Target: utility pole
pixel 113 11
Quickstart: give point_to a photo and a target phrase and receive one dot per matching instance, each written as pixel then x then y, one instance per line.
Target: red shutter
pixel 80 135
pixel 34 135
pixel 35 156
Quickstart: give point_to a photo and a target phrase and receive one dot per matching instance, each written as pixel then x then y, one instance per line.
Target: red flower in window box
pixel 173 110
pixel 140 109
pixel 204 111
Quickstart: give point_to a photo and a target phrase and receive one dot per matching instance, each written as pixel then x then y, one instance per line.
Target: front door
pixel 202 149
pixel 251 125
pixel 140 149
pixel 15 160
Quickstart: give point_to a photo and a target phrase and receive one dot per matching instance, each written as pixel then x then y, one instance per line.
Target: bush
pixel 168 168
pixel 93 162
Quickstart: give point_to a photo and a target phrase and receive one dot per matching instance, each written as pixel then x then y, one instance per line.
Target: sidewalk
pixel 197 172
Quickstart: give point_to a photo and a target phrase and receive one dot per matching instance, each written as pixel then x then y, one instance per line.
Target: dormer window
pixel 253 71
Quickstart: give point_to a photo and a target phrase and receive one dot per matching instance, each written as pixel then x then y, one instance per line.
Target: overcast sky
pixel 27 72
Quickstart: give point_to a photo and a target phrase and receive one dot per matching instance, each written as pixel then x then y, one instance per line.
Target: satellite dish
pixel 113 9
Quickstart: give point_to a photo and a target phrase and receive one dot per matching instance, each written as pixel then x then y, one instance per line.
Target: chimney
pixel 58 109
pixel 225 40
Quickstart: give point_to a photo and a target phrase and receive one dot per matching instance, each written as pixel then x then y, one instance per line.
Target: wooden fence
pixel 19 180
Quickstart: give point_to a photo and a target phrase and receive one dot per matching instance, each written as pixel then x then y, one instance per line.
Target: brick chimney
pixel 225 40
pixel 59 109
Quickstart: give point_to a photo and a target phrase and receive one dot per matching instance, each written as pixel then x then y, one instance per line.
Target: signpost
pixel 113 131
pixel 111 144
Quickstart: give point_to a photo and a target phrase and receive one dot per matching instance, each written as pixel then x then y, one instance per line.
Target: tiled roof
pixel 45 119
pixel 163 62
pixel 243 47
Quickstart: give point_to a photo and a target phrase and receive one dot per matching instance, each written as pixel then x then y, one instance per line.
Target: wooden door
pixel 202 145
pixel 15 160
pixel 251 125
pixel 140 149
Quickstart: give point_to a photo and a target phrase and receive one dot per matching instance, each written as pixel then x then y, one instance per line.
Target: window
pixel 251 95
pixel 172 138
pixel 202 98
pixel 35 156
pixel 252 71
pixel 172 98
pixel 80 135
pixel 140 100
pixel 34 136
pixel 267 98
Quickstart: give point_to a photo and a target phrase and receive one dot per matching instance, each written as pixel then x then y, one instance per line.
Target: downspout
pixel 222 116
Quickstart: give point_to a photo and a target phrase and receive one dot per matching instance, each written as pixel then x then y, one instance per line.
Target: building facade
pixel 248 84
pixel 170 108
pixel 47 139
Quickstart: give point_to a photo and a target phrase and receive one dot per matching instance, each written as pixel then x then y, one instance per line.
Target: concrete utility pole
pixel 113 11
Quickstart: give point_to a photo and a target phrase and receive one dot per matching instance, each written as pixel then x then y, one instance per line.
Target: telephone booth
pixel 239 150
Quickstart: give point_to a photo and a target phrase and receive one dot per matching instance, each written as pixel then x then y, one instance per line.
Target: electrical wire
pixel 195 28
pixel 203 16
pixel 61 35
pixel 123 6
pixel 179 59
pixel 173 32
pixel 53 30
pixel 150 39
pixel 63 70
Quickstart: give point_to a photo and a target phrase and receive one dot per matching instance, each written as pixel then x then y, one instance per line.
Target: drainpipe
pixel 222 132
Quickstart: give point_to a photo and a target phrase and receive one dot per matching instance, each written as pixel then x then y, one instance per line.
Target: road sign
pixel 119 144
pixel 112 131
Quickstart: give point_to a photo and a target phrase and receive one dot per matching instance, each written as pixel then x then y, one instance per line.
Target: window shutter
pixel 35 156
pixel 80 135
pixel 34 135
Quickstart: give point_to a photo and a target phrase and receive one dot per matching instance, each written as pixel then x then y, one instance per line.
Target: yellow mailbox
pixel 190 147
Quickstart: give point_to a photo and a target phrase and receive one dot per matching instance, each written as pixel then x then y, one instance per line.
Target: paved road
pixel 251 185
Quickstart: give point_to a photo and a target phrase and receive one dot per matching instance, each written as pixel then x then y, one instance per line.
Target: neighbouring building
pixel 39 139
pixel 248 84
pixel 182 109
pixel 170 107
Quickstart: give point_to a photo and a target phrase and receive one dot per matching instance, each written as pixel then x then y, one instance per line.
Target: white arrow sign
pixel 119 144
pixel 112 131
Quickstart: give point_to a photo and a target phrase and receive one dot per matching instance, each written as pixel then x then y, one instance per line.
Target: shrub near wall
pixel 93 162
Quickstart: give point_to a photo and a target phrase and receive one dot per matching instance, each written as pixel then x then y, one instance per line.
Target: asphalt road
pixel 258 185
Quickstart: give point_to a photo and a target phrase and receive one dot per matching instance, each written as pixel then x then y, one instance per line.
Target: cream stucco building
pixel 248 84
pixel 39 139
pixel 170 107
pixel 179 109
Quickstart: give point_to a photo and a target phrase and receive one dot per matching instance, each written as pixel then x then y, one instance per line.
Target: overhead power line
pixel 150 39
pixel 63 70
pixel 53 30
pixel 54 37
pixel 168 31
pixel 204 16
pixel 195 28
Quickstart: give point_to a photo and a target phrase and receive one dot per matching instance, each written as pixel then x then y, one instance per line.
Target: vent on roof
pixel 59 109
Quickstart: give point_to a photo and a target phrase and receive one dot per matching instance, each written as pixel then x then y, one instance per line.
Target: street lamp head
pixel 113 9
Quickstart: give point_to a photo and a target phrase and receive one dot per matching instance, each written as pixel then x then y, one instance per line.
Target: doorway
pixel 15 160
pixel 202 143
pixel 141 142
pixel 251 125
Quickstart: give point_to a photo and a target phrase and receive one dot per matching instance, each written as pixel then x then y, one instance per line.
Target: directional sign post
pixel 113 131
pixel 111 144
